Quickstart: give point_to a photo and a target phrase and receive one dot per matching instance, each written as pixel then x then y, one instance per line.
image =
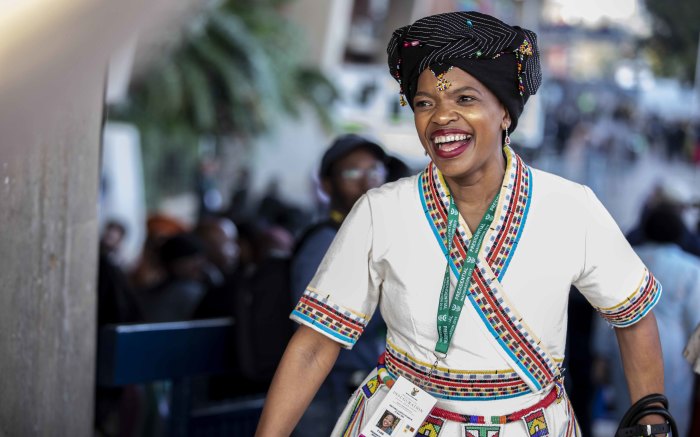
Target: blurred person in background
pixel 674 196
pixel 239 204
pixel 179 293
pixel 256 295
pixel 505 240
pixel 350 167
pixel 220 238
pixel 273 210
pixel 677 314
pixel 148 270
pixel 675 140
pixel 116 303
pixel 115 298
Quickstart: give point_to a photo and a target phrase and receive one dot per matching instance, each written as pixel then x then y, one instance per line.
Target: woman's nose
pixel 444 114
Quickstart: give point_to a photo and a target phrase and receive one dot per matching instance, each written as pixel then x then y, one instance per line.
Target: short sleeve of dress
pixel 613 279
pixel 344 292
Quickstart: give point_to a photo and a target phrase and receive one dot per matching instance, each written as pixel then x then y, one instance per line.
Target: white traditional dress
pixel 502 374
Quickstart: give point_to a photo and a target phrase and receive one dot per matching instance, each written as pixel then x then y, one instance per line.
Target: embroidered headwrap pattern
pixel 504 58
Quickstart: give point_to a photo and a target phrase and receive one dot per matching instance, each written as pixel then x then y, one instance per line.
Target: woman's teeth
pixel 443 142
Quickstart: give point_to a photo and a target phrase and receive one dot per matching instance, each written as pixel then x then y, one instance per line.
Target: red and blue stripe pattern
pixel 319 313
pixel 462 385
pixel 501 246
pixel 637 305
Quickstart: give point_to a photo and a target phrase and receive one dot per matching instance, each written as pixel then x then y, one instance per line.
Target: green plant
pixel 237 70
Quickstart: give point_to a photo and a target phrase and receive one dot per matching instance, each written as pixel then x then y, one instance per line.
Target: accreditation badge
pixel 401 413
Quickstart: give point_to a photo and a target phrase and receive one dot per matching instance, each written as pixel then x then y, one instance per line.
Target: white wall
pixel 122 188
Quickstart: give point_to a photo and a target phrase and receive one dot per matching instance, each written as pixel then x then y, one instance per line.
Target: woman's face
pixel 387 421
pixel 459 127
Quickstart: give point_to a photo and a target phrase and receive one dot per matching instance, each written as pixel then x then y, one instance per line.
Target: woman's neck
pixel 481 186
pixel 473 193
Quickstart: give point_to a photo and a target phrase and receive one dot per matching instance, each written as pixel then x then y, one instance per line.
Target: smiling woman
pixel 470 262
pixel 460 129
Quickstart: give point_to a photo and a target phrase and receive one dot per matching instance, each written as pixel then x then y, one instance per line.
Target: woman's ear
pixel 505 123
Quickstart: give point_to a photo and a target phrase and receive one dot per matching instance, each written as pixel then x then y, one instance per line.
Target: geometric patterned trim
pixel 482 431
pixel 511 221
pixel 536 424
pixel 636 305
pixel 556 393
pixel 435 420
pixel 466 385
pixel 513 206
pixel 507 327
pixel 431 427
pixel 336 322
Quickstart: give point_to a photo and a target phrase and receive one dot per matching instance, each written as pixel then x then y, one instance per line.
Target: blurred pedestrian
pixel 674 196
pixel 116 302
pixel 177 296
pixel 351 166
pixel 677 314
pixel 220 238
pixel 148 270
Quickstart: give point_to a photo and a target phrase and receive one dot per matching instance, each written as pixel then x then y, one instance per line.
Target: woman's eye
pixel 421 104
pixel 465 99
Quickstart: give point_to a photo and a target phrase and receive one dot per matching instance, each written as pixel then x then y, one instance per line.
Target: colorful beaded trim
pixel 637 305
pixel 320 313
pixel 556 393
pixel 514 208
pixel 462 385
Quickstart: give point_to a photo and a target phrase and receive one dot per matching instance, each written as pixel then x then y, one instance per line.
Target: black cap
pixel 343 146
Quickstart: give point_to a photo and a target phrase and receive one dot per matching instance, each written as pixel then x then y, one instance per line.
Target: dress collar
pixel 511 211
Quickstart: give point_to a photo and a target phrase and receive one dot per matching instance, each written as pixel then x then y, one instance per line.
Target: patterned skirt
pixel 551 415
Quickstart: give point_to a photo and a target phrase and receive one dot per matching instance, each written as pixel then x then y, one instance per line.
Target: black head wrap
pixel 504 58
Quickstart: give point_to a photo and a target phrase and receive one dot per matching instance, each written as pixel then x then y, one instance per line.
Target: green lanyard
pixel 448 313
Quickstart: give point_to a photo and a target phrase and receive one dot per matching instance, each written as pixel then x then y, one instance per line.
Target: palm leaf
pixel 199 94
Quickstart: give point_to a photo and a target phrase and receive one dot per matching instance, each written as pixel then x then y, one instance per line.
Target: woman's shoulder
pixel 551 182
pixel 549 186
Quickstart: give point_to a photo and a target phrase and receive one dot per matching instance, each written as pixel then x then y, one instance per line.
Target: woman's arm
pixel 642 360
pixel 306 362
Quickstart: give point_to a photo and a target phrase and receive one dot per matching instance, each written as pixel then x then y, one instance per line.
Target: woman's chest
pixel 532 279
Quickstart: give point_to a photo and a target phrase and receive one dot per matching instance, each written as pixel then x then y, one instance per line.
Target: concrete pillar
pixel 49 163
